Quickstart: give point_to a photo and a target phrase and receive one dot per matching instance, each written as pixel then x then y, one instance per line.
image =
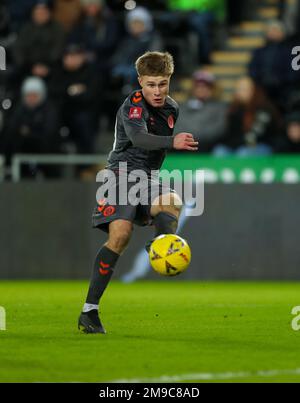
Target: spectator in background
pixel 75 86
pixel 40 43
pixel 270 66
pixel 253 123
pixel 291 142
pixel 99 30
pixel 203 114
pixel 141 37
pixel 199 16
pixel 67 13
pixel 33 126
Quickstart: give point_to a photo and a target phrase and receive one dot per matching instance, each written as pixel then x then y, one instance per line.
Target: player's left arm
pixel 135 124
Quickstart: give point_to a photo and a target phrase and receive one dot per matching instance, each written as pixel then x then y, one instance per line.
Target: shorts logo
pixel 101 206
pixel 135 113
pixel 171 122
pixel 107 211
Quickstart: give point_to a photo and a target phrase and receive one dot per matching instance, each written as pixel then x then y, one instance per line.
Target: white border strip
pixel 210 376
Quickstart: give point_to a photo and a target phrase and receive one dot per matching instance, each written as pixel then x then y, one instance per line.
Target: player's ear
pixel 140 80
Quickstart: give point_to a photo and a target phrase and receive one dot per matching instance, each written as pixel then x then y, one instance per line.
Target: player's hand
pixel 185 141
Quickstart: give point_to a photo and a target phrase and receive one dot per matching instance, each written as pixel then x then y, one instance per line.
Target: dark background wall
pixel 246 232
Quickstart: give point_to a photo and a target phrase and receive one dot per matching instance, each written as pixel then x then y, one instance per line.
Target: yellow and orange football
pixel 169 255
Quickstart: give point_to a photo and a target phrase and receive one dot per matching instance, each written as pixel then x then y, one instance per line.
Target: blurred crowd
pixel 70 63
pixel 263 116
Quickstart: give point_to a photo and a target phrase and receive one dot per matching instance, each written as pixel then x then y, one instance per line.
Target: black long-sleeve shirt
pixel 143 133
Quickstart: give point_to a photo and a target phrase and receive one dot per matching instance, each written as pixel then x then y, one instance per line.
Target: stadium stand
pixel 228 41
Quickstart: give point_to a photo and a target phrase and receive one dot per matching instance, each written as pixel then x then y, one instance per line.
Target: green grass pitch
pixel 187 331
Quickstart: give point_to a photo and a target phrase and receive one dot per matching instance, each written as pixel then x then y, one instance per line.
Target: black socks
pixel 165 223
pixel 105 261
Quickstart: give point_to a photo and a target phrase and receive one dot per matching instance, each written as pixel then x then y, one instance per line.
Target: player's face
pixel 155 89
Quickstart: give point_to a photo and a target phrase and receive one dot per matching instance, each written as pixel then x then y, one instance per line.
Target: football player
pixel 143 133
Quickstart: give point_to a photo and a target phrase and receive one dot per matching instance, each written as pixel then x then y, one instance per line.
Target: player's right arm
pixel 134 120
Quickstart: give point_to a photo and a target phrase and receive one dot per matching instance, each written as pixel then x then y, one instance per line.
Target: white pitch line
pixel 210 376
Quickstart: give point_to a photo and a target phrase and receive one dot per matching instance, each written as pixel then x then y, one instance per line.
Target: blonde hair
pixel 155 64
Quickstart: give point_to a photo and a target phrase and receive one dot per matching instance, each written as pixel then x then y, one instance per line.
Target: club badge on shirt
pixel 135 113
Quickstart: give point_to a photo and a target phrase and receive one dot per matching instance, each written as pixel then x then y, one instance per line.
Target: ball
pixel 169 255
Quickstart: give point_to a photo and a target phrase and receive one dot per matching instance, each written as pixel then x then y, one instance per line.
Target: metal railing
pixel 52 159
pixel 2 168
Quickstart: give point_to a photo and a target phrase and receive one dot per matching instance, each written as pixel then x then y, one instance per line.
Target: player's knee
pixel 168 203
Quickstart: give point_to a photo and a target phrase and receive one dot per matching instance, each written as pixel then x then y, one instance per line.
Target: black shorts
pixel 138 211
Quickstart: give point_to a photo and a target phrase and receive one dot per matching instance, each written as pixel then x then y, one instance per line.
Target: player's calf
pixel 106 259
pixel 119 235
